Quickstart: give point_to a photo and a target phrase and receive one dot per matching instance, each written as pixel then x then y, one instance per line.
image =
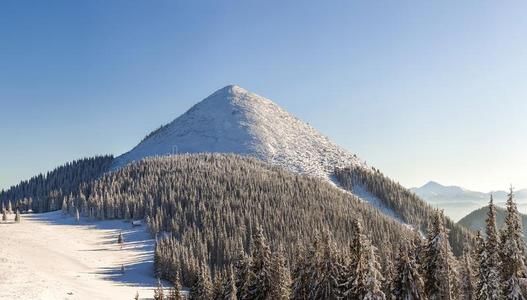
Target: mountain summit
pixel 234 120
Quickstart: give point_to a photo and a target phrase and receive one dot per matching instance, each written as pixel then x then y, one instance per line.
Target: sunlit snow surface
pixel 51 256
pixel 233 120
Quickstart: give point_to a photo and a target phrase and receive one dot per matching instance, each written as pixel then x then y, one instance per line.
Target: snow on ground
pixel 234 120
pixel 51 256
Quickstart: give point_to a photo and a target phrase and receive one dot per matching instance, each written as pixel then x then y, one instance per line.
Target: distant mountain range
pixel 458 202
pixel 476 219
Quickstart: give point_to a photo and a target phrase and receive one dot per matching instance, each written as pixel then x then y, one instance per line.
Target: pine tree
pixel 175 291
pixel 259 278
pixel 120 239
pixel 325 281
pixel 4 216
pixel 513 264
pixel 17 216
pixel 241 267
pixel 158 292
pixel 202 287
pixel 408 284
pixel 229 285
pixel 77 215
pixel 490 259
pixel 373 276
pixel 363 276
pixel 438 264
pixel 302 277
pixel 468 286
pixel 280 277
pixel 389 278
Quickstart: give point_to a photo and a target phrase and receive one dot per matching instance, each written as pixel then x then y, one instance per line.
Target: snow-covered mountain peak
pixel 234 120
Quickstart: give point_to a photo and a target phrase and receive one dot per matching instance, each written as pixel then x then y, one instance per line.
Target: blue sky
pixel 422 90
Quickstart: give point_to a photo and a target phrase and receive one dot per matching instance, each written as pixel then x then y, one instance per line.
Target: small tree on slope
pixel 439 267
pixel 491 260
pixel 513 264
pixel 408 284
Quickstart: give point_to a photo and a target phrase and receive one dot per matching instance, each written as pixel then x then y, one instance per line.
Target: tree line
pixel 422 268
pixel 408 206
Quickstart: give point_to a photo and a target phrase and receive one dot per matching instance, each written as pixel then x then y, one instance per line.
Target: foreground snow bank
pixel 51 256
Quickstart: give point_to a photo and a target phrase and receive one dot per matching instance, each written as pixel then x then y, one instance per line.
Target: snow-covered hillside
pixel 51 256
pixel 233 120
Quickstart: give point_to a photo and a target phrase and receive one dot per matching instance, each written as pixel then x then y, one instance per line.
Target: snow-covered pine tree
pixel 77 215
pixel 468 279
pixel 408 284
pixel 217 287
pixel 438 262
pixel 175 291
pixel 351 284
pixel 17 216
pixel 389 277
pixel 9 207
pixel 363 276
pixel 159 294
pixel 241 266
pixel 325 284
pixel 229 285
pixel 491 263
pixel 202 287
pixel 120 239
pixel 259 278
pixel 301 274
pixel 513 252
pixel 280 277
pixel 373 275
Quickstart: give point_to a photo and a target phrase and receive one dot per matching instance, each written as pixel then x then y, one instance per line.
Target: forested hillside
pixel 410 208
pixel 45 192
pixel 210 203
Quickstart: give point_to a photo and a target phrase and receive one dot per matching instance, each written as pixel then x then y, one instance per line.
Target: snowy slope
pixel 51 256
pixel 233 120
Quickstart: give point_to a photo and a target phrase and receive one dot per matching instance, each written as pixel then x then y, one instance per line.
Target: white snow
pixel 50 256
pixel 233 120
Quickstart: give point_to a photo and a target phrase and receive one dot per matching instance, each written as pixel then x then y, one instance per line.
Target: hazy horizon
pixel 421 91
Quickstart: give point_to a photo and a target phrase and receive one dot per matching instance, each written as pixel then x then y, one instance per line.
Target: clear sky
pixel 423 90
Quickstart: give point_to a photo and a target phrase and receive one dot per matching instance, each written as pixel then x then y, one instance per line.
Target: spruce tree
pixel 175 291
pixel 325 281
pixel 17 216
pixel 302 277
pixel 202 287
pixel 280 277
pixel 241 267
pixel 259 278
pixel 120 239
pixel 468 285
pixel 229 285
pixel 158 292
pixel 492 257
pixel 408 284
pixel 438 264
pixel 513 264
pixel 373 276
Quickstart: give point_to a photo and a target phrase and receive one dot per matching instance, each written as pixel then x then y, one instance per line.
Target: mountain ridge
pixel 234 120
pixel 458 201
